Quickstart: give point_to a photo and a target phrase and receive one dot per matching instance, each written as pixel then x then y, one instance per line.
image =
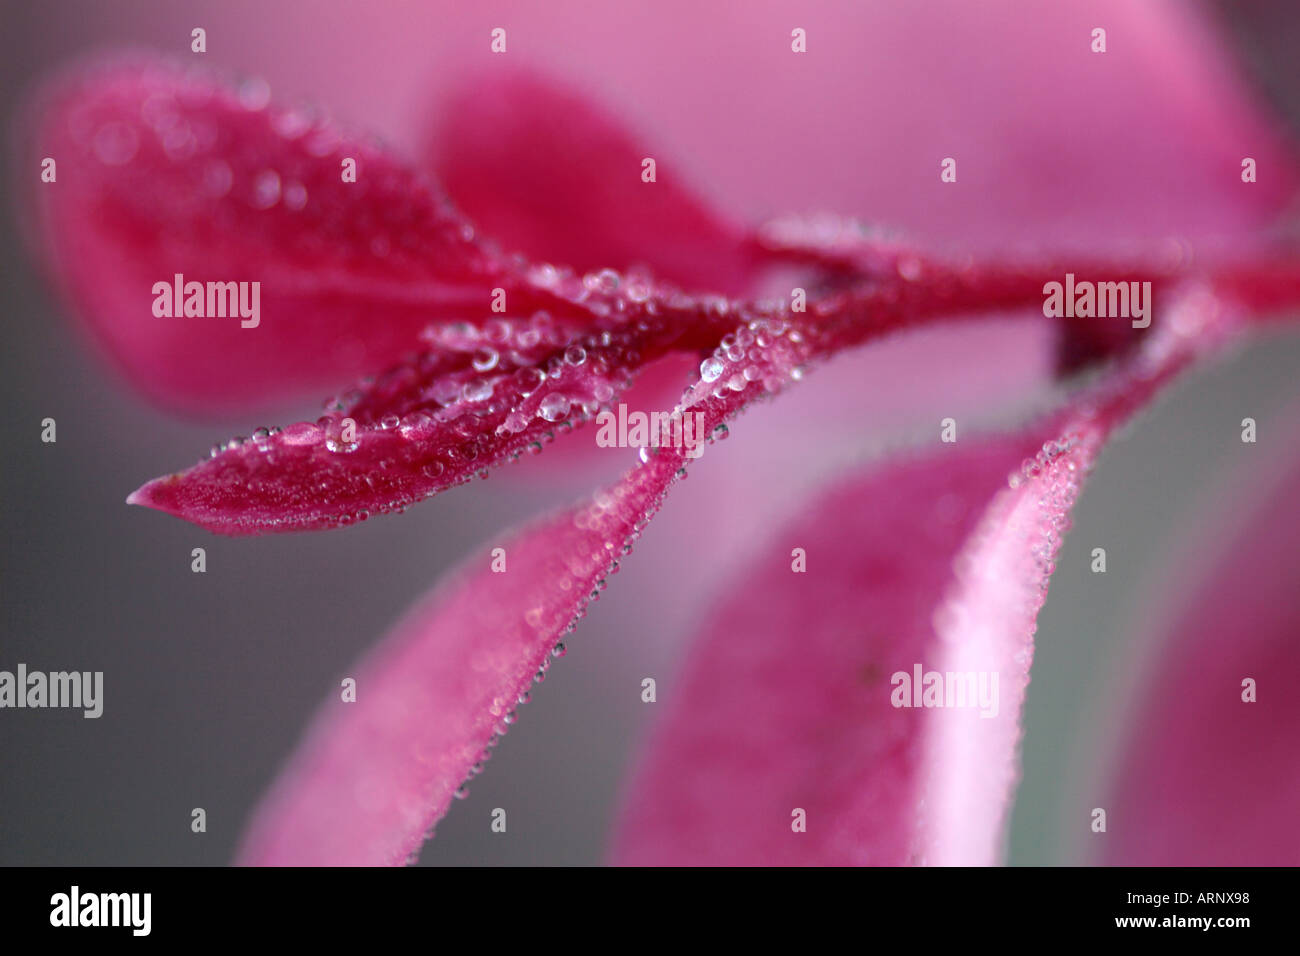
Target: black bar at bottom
pixel 214 905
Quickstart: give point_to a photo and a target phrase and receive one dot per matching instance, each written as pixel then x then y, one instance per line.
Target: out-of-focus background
pixel 210 678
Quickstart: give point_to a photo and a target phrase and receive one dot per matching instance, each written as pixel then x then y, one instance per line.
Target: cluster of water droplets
pixel 1017 540
pixel 767 352
pixel 509 362
pixel 503 388
pixel 235 147
pixel 180 121
pixel 604 518
pixel 1044 459
pixel 263 439
pixel 508 717
pixel 1058 474
pixel 837 236
pixel 447 419
pixel 606 294
pixel 607 510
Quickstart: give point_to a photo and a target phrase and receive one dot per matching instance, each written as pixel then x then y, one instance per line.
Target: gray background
pixel 210 678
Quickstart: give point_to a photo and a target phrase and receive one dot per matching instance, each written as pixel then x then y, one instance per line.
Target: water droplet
pixel 416 425
pixel 476 391
pixel 528 380
pixel 323 142
pixel 291 123
pixel 266 189
pixel 575 355
pixel 710 369
pixel 553 407
pixel 909 268
pixel 559 650
pixel 217 179
pixel 606 281
pixel 254 94
pixel 485 359
pixel 295 195
pixel 302 433
pixel 545 275
pixel 262 438
pixel 115 144
pixel 720 432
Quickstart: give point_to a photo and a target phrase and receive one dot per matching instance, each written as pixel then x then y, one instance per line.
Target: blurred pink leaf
pixel 545 172
pixel 1201 777
pixel 374 776
pixel 164 171
pixel 940 561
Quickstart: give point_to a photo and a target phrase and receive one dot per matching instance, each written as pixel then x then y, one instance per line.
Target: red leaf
pixel 441 418
pixel 164 171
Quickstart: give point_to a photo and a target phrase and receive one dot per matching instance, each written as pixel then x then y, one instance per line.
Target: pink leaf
pixel 786 702
pixel 374 776
pixel 471 401
pixel 476 398
pixel 546 173
pixel 162 171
